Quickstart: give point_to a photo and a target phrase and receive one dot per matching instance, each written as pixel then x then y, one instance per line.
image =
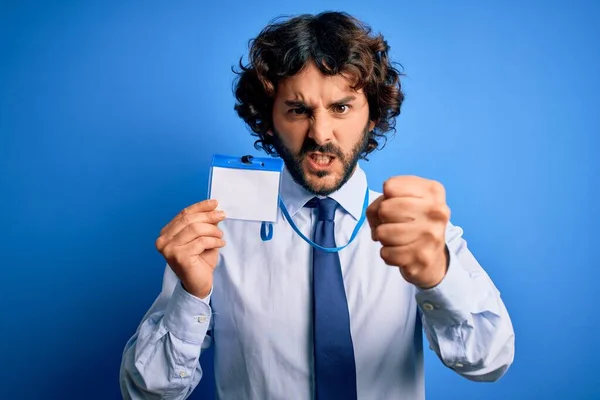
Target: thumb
pixel 373 216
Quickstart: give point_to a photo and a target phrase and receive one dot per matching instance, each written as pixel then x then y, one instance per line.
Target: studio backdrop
pixel 110 113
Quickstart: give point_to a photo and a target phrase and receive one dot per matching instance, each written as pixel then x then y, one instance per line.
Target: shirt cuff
pixel 448 302
pixel 187 316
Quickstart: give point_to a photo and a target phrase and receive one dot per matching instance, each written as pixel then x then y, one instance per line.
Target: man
pixel 292 319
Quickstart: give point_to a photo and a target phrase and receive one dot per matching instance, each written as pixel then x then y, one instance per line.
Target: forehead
pixel 310 84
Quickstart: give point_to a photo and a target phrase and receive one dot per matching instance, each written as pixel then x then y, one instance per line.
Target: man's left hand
pixel 410 220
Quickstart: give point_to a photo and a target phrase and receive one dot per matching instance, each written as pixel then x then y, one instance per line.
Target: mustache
pixel 310 145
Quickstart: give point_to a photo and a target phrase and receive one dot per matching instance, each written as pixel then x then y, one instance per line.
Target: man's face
pixel 321 127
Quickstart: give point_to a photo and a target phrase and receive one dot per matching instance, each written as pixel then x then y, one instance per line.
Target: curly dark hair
pixel 337 43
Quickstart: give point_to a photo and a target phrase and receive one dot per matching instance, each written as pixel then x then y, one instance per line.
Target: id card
pixel 247 188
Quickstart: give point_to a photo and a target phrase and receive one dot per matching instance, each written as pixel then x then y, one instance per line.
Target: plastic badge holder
pixel 247 188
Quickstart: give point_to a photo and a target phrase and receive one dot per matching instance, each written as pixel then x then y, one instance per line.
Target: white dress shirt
pixel 258 315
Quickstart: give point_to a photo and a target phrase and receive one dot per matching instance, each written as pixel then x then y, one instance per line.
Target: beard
pixel 294 162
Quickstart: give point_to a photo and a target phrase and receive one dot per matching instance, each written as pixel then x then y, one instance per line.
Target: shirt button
pixel 182 374
pixel 201 318
pixel 427 306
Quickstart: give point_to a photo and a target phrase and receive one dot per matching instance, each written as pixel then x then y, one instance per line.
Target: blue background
pixel 110 113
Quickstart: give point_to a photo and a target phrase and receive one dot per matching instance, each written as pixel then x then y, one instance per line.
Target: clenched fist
pixel 409 220
pixel 190 243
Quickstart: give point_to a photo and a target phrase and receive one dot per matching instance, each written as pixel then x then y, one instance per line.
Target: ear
pixel 372 125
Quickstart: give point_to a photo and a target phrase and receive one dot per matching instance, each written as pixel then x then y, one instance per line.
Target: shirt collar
pixel 350 196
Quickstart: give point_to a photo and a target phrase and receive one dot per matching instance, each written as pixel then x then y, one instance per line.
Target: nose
pixel 321 128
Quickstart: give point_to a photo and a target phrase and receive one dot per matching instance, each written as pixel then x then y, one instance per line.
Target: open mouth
pixel 319 161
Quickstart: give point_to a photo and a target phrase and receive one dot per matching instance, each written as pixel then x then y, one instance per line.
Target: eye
pixel 341 108
pixel 297 111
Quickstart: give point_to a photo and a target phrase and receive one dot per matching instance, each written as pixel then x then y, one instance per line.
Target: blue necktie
pixel 335 370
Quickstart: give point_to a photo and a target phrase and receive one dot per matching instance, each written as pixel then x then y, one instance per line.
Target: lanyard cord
pixel 328 249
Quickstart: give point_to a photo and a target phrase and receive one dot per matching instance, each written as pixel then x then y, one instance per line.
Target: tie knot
pixel 325 206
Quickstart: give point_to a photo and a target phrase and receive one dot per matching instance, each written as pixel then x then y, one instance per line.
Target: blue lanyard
pixel 329 249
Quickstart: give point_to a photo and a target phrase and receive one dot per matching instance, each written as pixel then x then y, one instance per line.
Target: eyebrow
pixel 297 103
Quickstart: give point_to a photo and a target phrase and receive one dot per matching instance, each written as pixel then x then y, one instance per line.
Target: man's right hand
pixel 190 243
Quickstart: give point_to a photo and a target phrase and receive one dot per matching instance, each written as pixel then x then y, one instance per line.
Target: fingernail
pixel 220 214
